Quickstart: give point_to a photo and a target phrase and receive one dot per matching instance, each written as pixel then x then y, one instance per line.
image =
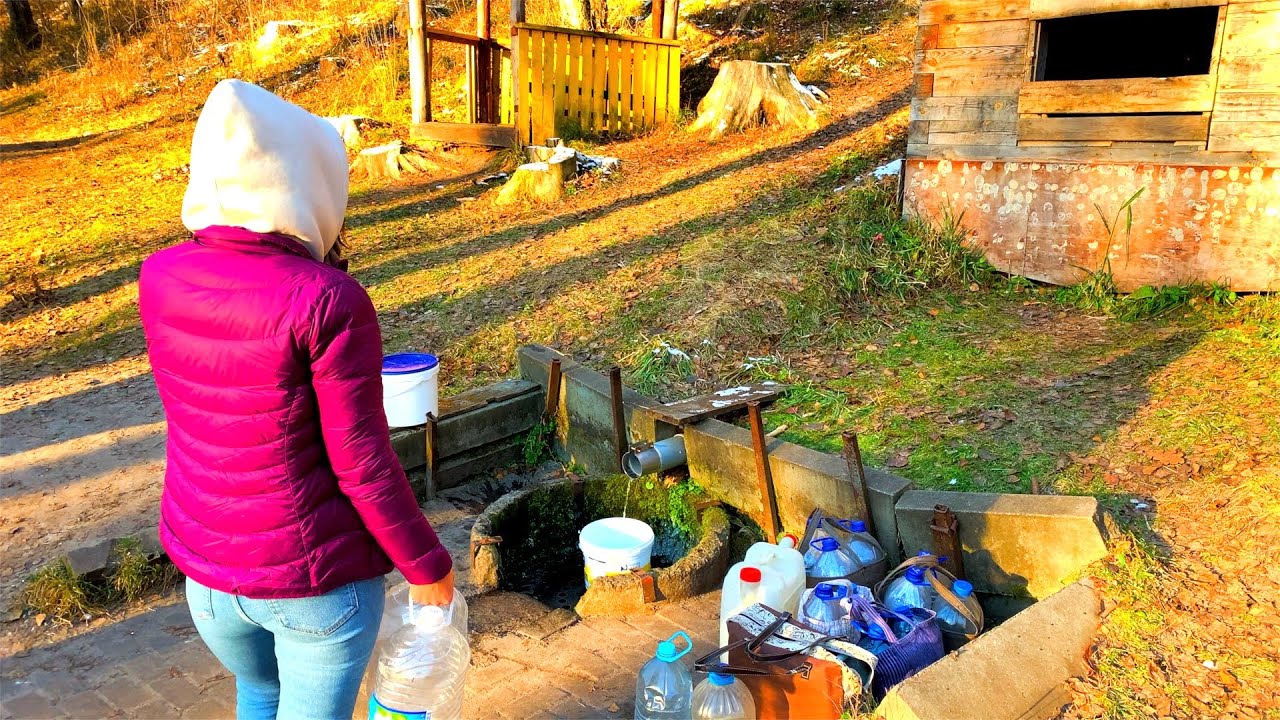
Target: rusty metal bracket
pixel 481 542
pixel 858 478
pixel 768 496
pixel 648 587
pixel 946 539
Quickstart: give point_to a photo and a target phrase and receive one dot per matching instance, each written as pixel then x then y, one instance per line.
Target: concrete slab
pixel 722 461
pixel 1016 671
pixel 1020 545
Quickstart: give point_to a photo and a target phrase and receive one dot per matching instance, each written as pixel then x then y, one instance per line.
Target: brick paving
pixel 153 666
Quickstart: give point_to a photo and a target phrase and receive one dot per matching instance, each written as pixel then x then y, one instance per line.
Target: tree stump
pixel 540 182
pixel 746 94
pixel 391 160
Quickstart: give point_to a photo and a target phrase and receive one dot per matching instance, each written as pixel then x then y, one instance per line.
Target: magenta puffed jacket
pixel 281 481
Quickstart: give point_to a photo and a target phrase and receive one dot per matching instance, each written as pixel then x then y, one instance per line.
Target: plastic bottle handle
pixel 688 643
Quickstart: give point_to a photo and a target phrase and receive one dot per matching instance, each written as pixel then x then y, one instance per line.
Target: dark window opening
pixel 1136 43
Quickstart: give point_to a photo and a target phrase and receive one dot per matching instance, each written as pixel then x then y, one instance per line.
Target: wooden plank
pixel 453 37
pixel 1248 32
pixel 1138 128
pixel 627 89
pixel 927 37
pixel 673 84
pixel 589 33
pixel 980 34
pixel 976 85
pixel 923 85
pixel 1192 93
pixel 1248 137
pixel 1041 9
pixel 722 402
pixel 648 72
pixel 660 75
pixel 1150 153
pixel 575 83
pixel 935 12
pixel 564 74
pixel 523 73
pixel 655 19
pixel 599 69
pixel 1002 124
pixel 975 137
pixel 965 108
pixel 537 88
pixel 491 135
pixel 1260 73
pixel 1246 106
pixel 918 131
pixel 1001 61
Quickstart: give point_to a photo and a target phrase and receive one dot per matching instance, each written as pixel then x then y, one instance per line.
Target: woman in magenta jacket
pixel 283 502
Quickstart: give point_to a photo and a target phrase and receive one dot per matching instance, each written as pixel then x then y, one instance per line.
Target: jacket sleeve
pixel 346 368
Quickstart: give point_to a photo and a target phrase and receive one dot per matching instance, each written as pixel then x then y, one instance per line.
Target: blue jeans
pixel 294 658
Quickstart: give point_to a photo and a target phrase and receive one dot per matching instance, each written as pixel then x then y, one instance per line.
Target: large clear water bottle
pixel 422 670
pixel 864 547
pixel 824 610
pixel 912 589
pixel 664 688
pixel 949 618
pixel 833 561
pixel 722 697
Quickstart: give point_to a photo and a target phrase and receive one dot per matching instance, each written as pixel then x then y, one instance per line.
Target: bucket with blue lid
pixel 409 388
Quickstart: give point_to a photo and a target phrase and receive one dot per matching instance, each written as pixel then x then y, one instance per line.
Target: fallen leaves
pixel 900 459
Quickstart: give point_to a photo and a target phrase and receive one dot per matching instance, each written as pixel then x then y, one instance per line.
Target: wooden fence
pixel 571 81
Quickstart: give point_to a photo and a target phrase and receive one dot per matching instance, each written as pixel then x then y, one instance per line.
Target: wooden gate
pixel 569 82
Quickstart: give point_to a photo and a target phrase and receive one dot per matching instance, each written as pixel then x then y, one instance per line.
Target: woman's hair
pixel 337 254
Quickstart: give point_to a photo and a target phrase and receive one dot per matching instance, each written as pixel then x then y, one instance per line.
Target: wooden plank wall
pixel 569 82
pixel 974 99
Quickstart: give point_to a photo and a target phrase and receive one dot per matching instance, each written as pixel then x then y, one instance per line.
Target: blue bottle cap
pixel 962 588
pixel 720 679
pixel 405 363
pixel 875 632
pixel 826 544
pixel 666 651
pixel 923 553
pixel 858 526
pixel 915 576
pixel 830 591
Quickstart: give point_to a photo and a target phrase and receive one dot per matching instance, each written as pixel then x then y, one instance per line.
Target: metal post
pixel 419 73
pixel 858 478
pixel 768 498
pixel 553 391
pixel 946 539
pixel 619 417
pixel 432 455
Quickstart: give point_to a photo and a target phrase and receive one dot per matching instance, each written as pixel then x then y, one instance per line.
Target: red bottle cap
pixel 749 574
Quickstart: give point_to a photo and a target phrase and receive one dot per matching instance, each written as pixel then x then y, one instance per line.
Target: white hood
pixel 266 165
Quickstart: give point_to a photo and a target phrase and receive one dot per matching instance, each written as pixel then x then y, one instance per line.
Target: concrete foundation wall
pixel 1019 545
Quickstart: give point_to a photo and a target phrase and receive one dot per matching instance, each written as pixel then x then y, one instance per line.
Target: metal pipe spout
pixel 658 457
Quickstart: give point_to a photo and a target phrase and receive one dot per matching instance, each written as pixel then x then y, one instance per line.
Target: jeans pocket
pixel 199 600
pixel 320 615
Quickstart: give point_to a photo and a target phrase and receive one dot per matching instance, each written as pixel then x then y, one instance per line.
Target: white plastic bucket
pixel 409 388
pixel 615 546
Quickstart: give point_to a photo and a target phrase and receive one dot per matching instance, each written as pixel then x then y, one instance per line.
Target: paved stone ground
pixel 153 666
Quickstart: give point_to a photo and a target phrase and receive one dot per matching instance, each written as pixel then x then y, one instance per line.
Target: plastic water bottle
pixel 949 618
pixel 872 638
pixel 824 610
pixel 396 613
pixel 910 590
pixel 664 689
pixel 422 670
pixel 865 548
pixel 722 697
pixel 833 561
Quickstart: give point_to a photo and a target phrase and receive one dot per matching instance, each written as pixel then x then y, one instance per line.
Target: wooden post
pixel 670 18
pixel 433 457
pixel 517 14
pixel 769 523
pixel 656 17
pixel 419 69
pixel 482 19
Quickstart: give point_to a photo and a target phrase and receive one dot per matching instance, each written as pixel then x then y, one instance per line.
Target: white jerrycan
pixel 770 574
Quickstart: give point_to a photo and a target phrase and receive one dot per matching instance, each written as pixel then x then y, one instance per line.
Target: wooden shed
pixel 1037 118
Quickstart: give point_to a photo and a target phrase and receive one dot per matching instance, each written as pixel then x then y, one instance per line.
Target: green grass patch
pixel 58 592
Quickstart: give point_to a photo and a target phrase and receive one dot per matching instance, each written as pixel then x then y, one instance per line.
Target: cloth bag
pixel 907 653
pixel 791 670
pixel 868 575
pixel 940 579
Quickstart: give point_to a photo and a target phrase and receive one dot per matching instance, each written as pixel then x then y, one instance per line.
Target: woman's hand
pixel 438 593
